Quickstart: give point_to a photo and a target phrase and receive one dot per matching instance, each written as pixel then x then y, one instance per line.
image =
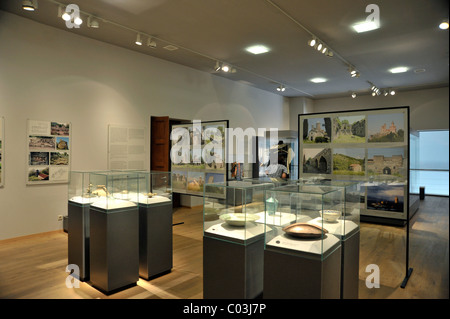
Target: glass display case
pixel 348 221
pixel 114 230
pixel 155 223
pixel 154 187
pixel 306 221
pixel 233 239
pixel 113 189
pixel 239 217
pixel 80 187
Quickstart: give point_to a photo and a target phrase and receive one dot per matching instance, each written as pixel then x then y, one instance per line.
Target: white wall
pixel 50 74
pixel 428 108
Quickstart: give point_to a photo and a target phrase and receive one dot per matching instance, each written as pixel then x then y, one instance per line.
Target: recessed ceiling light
pixel 257 49
pixel 400 69
pixel 365 26
pixel 318 80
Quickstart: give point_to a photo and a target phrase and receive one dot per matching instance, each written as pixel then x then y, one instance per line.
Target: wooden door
pixel 160 144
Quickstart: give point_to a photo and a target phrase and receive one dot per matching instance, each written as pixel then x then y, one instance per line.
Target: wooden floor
pixel 33 267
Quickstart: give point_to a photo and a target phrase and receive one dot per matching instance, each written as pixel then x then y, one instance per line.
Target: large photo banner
pixel 370 146
pixel 48 149
pixel 198 156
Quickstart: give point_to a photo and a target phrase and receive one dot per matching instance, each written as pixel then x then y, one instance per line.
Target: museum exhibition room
pixel 198 151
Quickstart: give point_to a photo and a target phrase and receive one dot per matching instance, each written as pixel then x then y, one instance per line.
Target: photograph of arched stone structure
pixel 317 160
pixel 386 161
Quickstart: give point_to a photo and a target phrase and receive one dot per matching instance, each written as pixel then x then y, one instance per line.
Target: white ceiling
pixel 209 30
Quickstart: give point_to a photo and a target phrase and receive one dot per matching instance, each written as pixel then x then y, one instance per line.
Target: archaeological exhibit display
pixel 368 146
pixel 155 223
pixel 233 239
pixel 302 250
pixel 48 149
pixel 114 230
pixel 198 156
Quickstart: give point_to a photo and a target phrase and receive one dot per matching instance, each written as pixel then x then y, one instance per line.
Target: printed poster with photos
pixel 2 147
pixel 370 146
pixel 202 160
pixel 49 146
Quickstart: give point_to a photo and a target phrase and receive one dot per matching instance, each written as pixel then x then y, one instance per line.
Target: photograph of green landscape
pixel 349 161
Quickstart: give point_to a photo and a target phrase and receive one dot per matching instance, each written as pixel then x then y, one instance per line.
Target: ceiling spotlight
pixel 312 42
pixel 151 43
pixel 92 23
pixel 329 53
pixel 392 92
pixel 353 95
pixel 373 93
pixel 138 39
pixel 233 70
pixel 29 5
pixel 385 93
pixel 66 16
pixel 281 88
pixel 319 46
pixel 78 21
pixel 324 50
pixel 217 66
pixel 443 25
pixel 225 68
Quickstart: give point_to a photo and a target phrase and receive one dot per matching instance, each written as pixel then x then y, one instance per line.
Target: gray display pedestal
pixel 155 239
pixel 301 276
pixel 78 237
pixel 114 248
pixel 350 266
pixel 232 270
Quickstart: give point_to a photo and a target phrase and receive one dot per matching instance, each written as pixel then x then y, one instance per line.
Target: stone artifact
pixel 330 215
pixel 101 191
pixel 304 230
pixel 238 219
pixel 150 195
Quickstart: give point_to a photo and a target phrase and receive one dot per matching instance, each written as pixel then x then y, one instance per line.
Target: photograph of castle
pixel 317 130
pixel 386 161
pixel 386 128
pixel 349 161
pixel 317 160
pixel 349 129
pixel 386 197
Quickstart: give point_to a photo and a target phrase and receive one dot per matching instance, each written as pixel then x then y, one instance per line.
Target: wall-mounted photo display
pixel 317 130
pixel 349 129
pixel 198 155
pixel 317 160
pixel 386 162
pixel 349 161
pixel 386 128
pixel 48 149
pixel 2 147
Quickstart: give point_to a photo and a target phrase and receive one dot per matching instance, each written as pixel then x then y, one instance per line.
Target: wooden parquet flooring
pixel 33 267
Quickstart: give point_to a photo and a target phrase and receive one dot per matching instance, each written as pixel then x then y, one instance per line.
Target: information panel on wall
pixel 48 149
pixel 126 147
pixel 2 147
pixel 198 156
pixel 371 146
